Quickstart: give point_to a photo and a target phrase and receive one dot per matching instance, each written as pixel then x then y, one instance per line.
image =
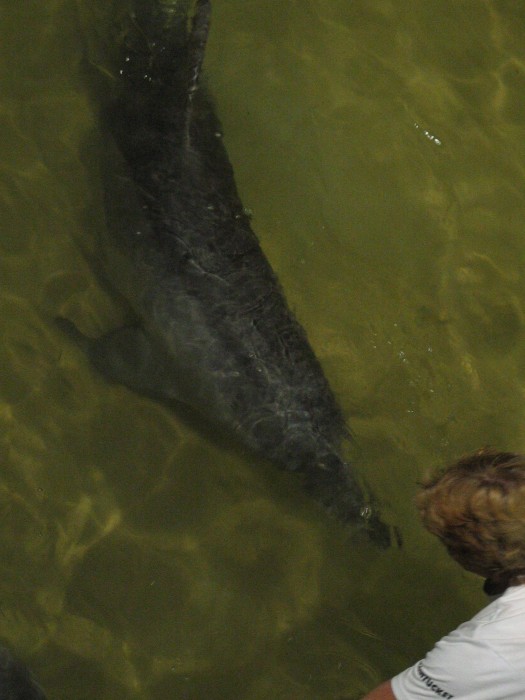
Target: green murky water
pixel 381 147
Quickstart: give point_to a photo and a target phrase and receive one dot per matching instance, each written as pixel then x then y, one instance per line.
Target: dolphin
pixel 16 682
pixel 214 330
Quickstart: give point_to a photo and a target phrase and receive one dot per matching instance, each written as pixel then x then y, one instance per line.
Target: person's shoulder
pixel 503 616
pixel 485 655
pixel 506 610
pixel 505 633
pixel 490 645
pixel 514 594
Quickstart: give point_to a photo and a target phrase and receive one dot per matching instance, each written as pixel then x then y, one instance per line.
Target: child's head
pixel 476 507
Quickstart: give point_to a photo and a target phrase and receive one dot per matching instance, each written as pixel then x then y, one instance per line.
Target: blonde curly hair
pixel 476 507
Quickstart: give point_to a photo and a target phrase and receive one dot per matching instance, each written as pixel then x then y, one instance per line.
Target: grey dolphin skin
pixel 16 683
pixel 214 328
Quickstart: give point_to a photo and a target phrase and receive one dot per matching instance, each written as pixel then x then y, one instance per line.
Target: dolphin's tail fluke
pixel 196 49
pixel 157 83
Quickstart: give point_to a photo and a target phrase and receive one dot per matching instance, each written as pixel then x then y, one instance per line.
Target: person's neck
pixel 497 586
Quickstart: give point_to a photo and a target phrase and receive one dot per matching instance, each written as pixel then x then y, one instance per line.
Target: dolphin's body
pixel 215 330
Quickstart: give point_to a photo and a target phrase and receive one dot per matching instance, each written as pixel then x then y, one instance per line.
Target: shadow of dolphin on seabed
pixel 214 329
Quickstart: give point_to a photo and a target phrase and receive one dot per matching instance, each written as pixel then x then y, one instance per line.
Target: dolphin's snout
pixel 382 534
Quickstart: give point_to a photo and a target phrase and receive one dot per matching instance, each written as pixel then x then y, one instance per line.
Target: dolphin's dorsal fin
pixel 197 40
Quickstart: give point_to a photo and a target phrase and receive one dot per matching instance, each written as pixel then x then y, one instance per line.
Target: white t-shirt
pixel 483 659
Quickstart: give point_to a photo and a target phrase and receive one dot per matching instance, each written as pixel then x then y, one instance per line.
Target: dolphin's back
pixel 216 331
